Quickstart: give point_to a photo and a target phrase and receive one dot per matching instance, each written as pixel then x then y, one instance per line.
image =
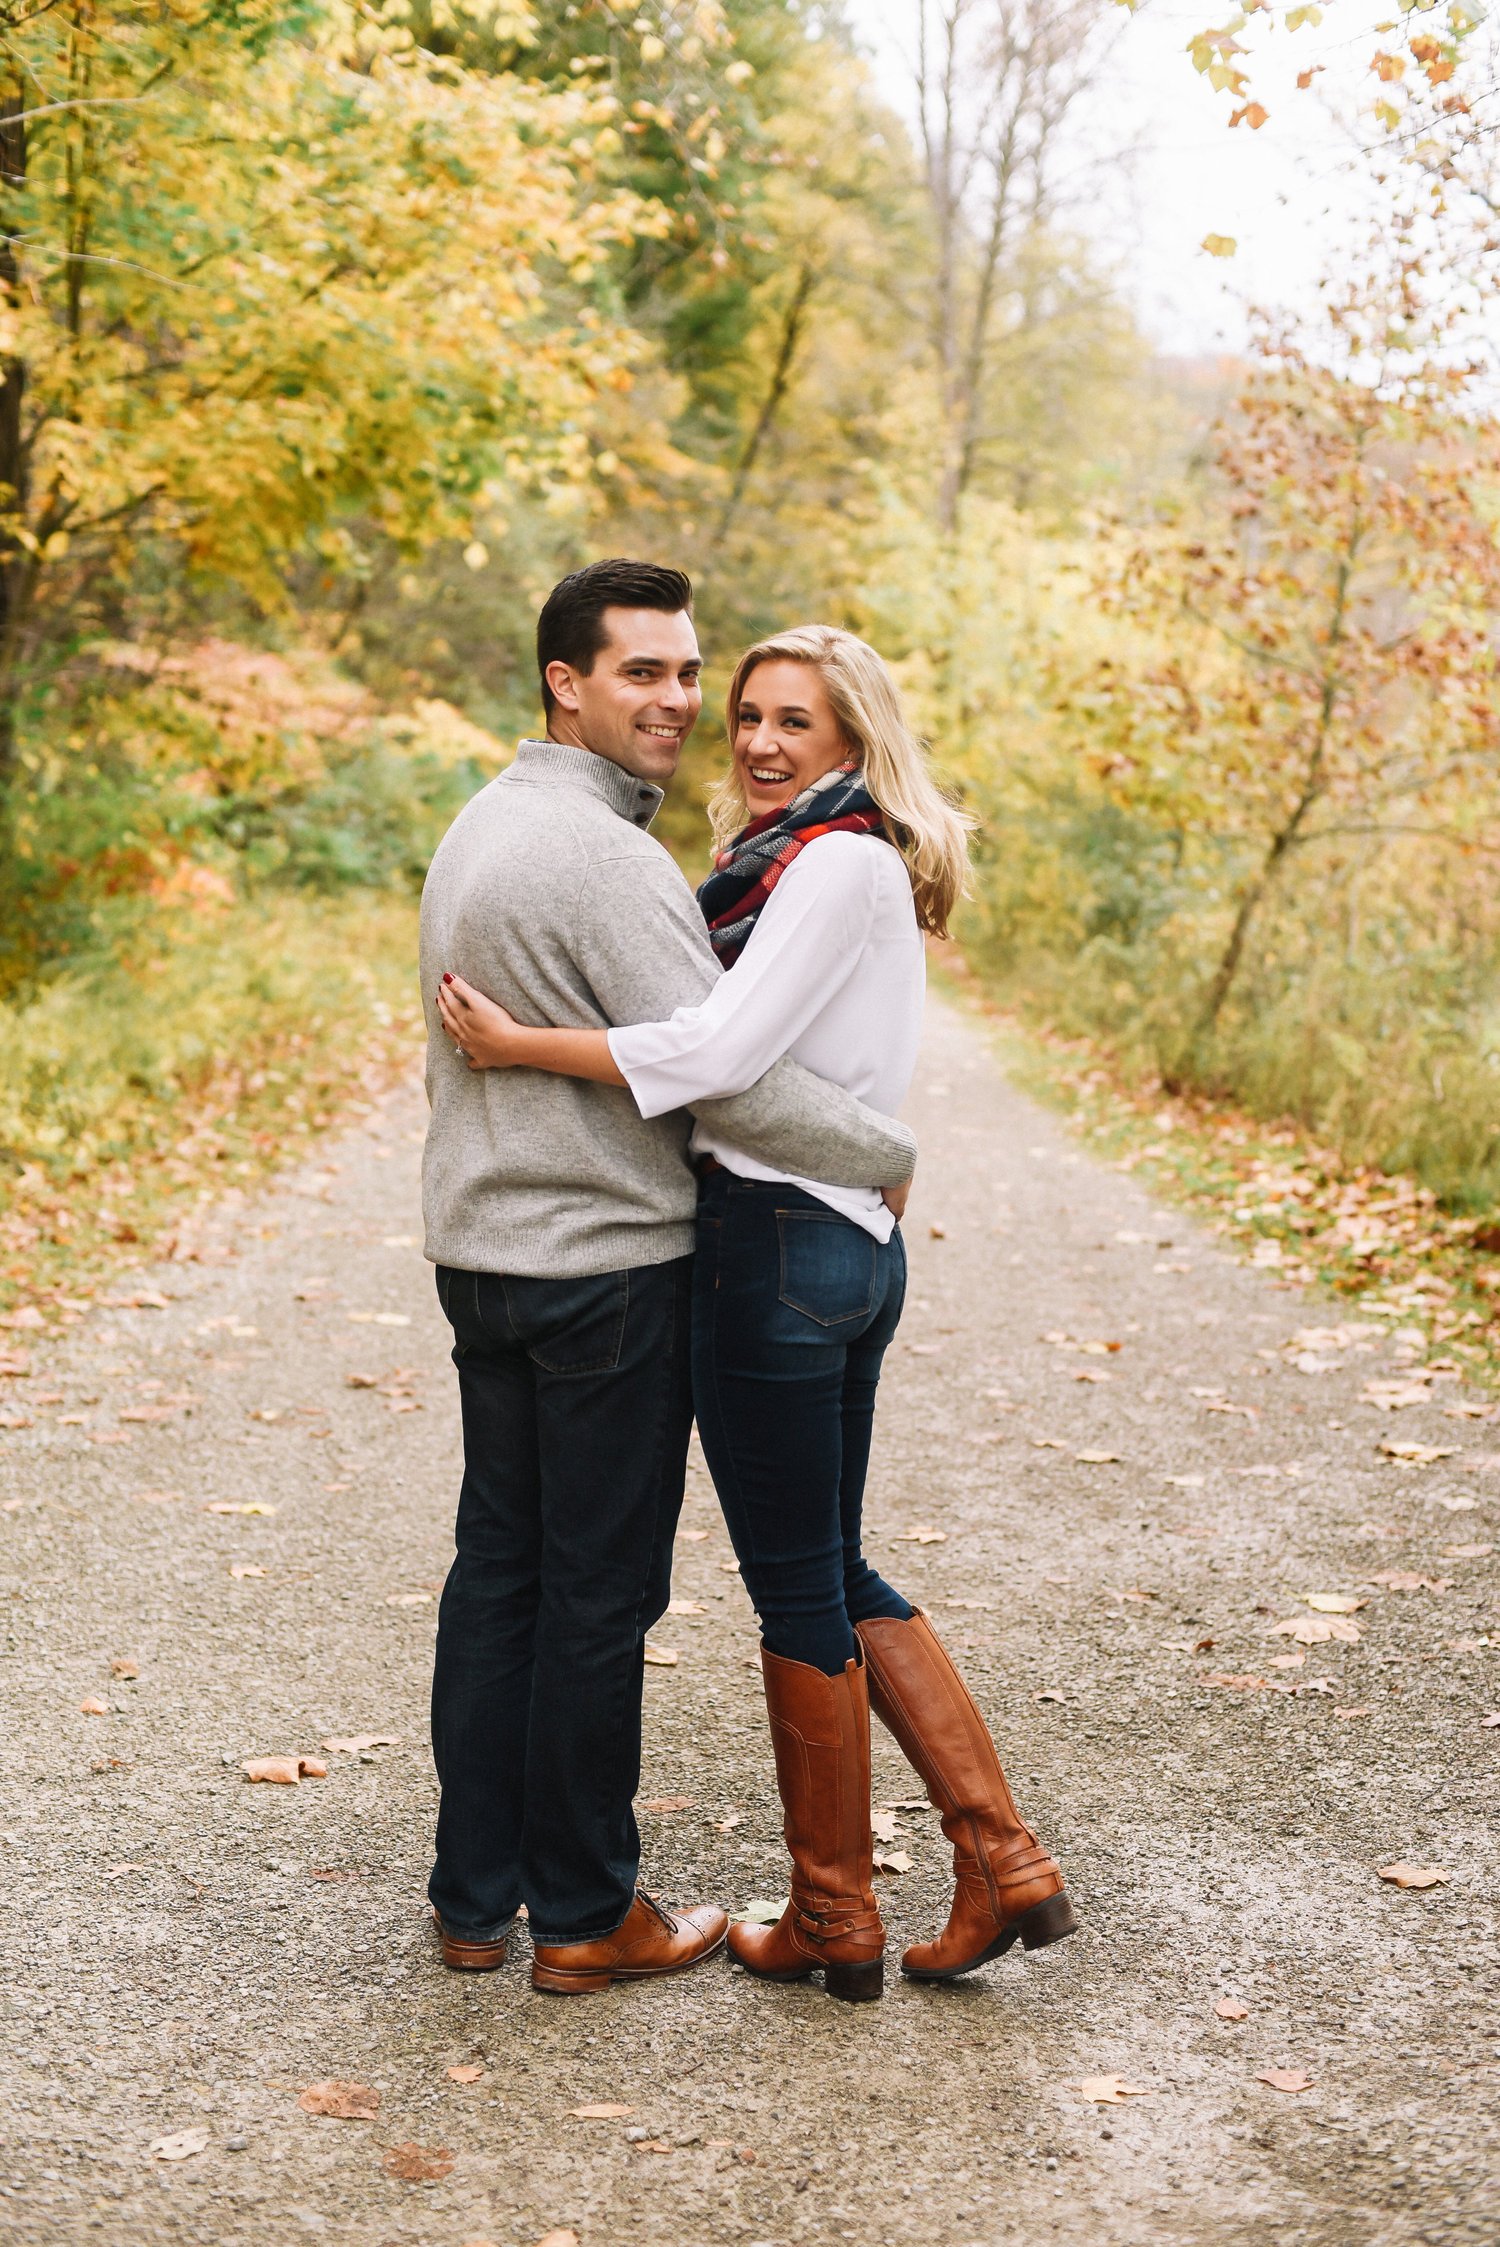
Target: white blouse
pixel 834 974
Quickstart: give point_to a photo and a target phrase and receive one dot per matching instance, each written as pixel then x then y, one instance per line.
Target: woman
pixel 836 850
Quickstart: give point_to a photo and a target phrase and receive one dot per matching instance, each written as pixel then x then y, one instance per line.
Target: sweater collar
pixel 635 800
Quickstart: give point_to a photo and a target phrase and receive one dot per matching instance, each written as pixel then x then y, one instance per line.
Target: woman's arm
pixel 489 1038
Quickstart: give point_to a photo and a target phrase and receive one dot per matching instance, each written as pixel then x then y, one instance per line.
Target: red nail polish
pixel 447 979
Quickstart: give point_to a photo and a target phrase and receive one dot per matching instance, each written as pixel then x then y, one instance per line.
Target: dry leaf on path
pixel 1112 2090
pixel 349 2102
pixel 408 1599
pixel 921 1534
pixel 693 1536
pixel 179 2145
pixel 1414 1454
pixel 1413 1876
pixel 664 1805
pixel 227 1506
pixel 1334 1603
pixel 1099 1458
pixel 883 1824
pixel 1047 1443
pixel 284 1770
pixel 1230 2009
pixel 1244 1682
pixel 468 2073
pixel 686 1607
pixel 362 1742
pixel 892 1860
pixel 1351 1712
pixel 1285 2079
pixel 93 1706
pixel 1407 1580
pixel 1488 1723
pixel 240 1569
pixel 1318 1630
pixel 1051 1694
pixel 418 2165
pixel 122 1666
pixel 600 2113
pixel 662 1657
pixel 763 1911
pixel 1467 1552
pixel 727 1825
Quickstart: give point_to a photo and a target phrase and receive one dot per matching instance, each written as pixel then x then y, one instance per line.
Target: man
pixel 561 1224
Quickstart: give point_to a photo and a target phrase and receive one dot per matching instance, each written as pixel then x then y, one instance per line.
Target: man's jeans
pixel 576 1414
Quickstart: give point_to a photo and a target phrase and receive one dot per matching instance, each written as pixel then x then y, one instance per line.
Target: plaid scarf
pixel 747 869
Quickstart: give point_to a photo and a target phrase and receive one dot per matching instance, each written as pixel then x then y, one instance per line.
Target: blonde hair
pixel 930 832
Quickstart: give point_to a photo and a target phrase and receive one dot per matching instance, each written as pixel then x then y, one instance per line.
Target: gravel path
pixel 250 1569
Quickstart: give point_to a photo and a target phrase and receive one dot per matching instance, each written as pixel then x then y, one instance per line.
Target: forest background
pixel 333 331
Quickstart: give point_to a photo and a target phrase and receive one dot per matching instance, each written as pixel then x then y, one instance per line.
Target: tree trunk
pixel 781 374
pixel 14 476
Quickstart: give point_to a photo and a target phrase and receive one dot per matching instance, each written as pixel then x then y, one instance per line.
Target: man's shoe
pixel 467 1954
pixel 651 1941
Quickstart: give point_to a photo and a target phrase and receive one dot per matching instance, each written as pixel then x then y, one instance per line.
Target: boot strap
pixel 822 1923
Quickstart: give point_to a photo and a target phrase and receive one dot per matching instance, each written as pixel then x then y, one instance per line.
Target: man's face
pixel 640 701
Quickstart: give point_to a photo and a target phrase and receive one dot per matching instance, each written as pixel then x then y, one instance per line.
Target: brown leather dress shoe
pixel 468 1956
pixel 651 1941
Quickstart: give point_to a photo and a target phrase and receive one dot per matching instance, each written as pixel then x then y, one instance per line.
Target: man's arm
pixel 643 946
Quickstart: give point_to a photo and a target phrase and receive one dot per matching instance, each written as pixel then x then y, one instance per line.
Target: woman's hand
pixel 484 1034
pixel 896 1199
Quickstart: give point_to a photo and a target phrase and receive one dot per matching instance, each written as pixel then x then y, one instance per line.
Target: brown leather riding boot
pixel 1009 1888
pixel 820 1735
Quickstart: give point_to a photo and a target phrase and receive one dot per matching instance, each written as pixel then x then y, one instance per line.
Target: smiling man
pixel 561 1224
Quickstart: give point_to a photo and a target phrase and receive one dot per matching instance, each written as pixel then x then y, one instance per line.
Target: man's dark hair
pixel 571 626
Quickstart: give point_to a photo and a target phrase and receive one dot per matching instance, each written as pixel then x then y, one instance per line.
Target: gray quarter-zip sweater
pixel 548 893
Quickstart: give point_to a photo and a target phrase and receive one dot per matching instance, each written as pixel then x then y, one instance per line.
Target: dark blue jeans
pixel 576 1415
pixel 793 1309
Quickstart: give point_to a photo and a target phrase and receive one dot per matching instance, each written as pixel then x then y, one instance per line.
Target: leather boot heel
pixel 1047 1922
pixel 860 1985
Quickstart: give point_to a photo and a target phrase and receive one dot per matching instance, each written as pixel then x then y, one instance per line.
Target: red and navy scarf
pixel 747 869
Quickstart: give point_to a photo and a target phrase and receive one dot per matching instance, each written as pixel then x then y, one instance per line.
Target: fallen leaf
pixel 1049 1695
pixel 1099 1458
pixel 93 1706
pixel 1285 2079
pixel 408 1599
pixel 179 2145
pixel 1351 1712
pixel 227 1506
pixel 1111 2090
pixel 1184 1482
pixel 1406 1580
pixel 1242 1683
pixel 349 2102
pixel 921 1534
pixel 663 1805
pixel 761 1911
pixel 361 1380
pixel 925 1349
pixel 1467 1552
pixel 417 2165
pixel 1278 1662
pixel 122 1667
pixel 156 1497
pixel 729 1568
pixel 1230 2009
pixel 892 1860
pixel 883 1824
pixel 468 2073
pixel 240 1569
pixel 1490 1722
pixel 602 2113
pixel 15 1420
pixel 686 1607
pixel 1047 1443
pixel 1318 1630
pixel 662 1657
pixel 380 1318
pixel 284 1770
pixel 1413 1876
pixel 693 1536
pixel 361 1742
pixel 1334 1603
pixel 1414 1454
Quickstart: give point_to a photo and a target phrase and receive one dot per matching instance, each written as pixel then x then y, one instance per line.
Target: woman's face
pixel 787 735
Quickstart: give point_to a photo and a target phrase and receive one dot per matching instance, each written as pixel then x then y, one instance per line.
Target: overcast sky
pixel 1285 193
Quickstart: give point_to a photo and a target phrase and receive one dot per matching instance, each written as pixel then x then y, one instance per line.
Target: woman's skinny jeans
pixel 793 1308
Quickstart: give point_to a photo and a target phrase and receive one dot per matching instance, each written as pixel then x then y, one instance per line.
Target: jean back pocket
pixel 828 1266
